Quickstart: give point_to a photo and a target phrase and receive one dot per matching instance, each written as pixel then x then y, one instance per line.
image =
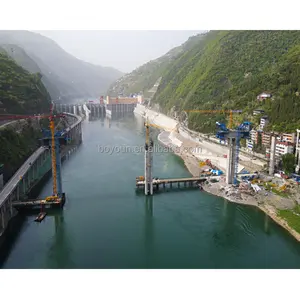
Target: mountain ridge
pixel 227 70
pixel 70 75
pixel 20 91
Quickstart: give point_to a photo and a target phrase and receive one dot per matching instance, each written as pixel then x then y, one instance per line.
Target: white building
pixel 283 148
pixel 258 112
pixel 254 135
pixel 263 122
pixel 263 96
pixel 249 144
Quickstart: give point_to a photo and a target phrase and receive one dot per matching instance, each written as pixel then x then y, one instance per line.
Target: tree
pixel 288 163
pixel 258 147
pixel 243 142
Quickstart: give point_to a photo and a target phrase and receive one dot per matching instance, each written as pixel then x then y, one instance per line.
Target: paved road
pixel 12 183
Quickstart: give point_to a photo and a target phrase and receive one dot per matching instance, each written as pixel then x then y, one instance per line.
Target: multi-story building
pixel 266 139
pixel 249 144
pixel 254 136
pixel 288 137
pixel 121 100
pixel 263 122
pixel 258 112
pixel 283 148
pixel 263 96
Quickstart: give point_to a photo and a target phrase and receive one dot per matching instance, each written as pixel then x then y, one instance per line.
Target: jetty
pixel 170 183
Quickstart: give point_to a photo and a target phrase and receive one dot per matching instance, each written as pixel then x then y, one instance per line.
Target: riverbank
pixel 188 150
pixel 221 189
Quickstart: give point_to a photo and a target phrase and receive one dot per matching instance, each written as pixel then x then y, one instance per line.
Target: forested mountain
pixel 22 59
pixel 227 70
pixel 20 91
pixel 144 77
pixel 63 74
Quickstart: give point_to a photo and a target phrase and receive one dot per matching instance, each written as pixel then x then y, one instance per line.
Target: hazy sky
pixel 124 50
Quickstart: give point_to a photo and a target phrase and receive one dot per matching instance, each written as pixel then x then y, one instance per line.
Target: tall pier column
pixel 230 160
pixel 148 168
pixel 297 153
pixel 272 156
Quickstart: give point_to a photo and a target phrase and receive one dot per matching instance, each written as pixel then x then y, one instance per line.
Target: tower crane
pixel 55 155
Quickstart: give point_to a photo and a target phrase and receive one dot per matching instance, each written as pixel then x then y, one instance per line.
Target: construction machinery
pixel 230 112
pixel 53 139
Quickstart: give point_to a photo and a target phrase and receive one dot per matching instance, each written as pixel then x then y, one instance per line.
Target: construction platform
pixel 185 182
pixel 38 203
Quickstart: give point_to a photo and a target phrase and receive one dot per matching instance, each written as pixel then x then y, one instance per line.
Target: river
pixel 106 224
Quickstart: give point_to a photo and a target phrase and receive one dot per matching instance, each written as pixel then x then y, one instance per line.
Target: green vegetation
pixel 143 78
pixel 20 91
pixel 288 163
pixel 258 147
pixel 292 217
pixel 227 70
pixel 15 148
pixel 273 188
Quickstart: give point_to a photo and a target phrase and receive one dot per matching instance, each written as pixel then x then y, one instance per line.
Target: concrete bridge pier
pixel 230 160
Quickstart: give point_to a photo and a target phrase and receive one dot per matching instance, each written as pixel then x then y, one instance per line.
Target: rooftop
pixel 286 143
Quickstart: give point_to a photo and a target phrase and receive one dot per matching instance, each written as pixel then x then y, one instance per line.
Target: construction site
pixel 228 173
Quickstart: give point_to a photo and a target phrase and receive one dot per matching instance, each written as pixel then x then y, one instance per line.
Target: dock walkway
pixel 186 182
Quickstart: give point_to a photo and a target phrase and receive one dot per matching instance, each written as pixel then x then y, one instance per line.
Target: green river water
pixel 106 224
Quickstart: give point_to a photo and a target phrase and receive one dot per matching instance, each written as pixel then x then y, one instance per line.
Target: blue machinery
pixel 233 139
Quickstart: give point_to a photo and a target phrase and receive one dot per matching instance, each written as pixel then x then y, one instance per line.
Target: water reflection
pixel 149 231
pixel 267 224
pixel 59 254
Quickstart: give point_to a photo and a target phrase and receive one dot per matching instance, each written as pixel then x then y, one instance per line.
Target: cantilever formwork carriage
pixel 233 137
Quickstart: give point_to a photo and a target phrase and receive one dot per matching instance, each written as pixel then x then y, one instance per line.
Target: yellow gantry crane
pixel 230 112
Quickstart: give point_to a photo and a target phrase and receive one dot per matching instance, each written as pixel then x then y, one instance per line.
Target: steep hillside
pixel 73 77
pixel 144 77
pixel 16 148
pixel 228 69
pixel 21 58
pixel 20 91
